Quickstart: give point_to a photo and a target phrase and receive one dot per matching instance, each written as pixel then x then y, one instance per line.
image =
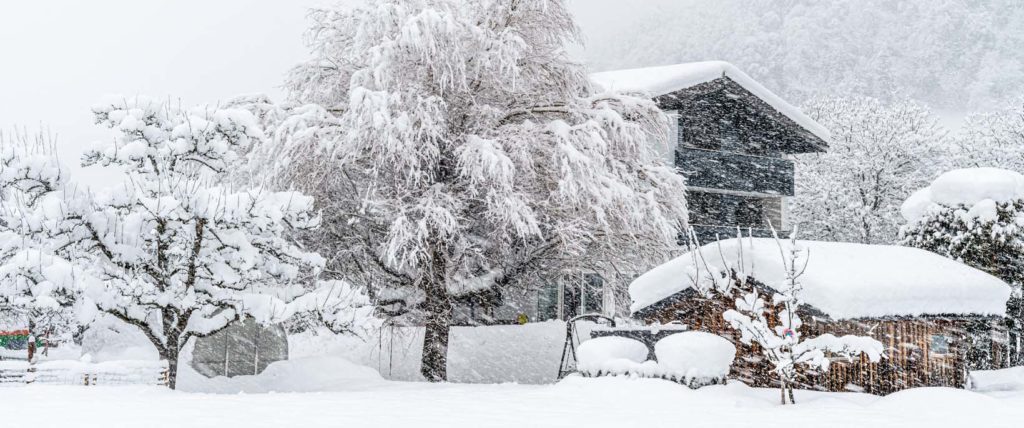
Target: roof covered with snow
pixel 979 189
pixel 843 280
pixel 662 80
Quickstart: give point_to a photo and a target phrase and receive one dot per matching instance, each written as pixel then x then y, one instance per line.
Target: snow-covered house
pixel 731 138
pixel 918 304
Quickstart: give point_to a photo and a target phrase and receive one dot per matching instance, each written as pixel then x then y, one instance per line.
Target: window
pixel 571 295
pixel 939 344
pixel 593 293
pixel 547 302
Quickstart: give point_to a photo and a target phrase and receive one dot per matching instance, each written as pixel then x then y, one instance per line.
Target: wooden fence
pixel 14 373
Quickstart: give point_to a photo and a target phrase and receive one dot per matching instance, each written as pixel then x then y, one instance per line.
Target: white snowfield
pixel 843 280
pixel 980 189
pixel 363 400
pixel 655 81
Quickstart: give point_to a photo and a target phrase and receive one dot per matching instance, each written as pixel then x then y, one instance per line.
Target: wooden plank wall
pixel 908 362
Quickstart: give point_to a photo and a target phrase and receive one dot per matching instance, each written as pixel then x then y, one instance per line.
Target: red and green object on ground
pixel 15 339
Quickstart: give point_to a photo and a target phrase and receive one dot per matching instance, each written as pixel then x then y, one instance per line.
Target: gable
pixel 659 81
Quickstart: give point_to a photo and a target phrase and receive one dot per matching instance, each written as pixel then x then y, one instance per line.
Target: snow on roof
pixel 843 280
pixel 661 80
pixel 978 188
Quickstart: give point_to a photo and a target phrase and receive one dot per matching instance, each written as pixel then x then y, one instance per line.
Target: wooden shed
pixel 934 315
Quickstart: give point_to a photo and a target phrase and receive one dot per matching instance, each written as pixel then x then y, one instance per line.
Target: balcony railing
pixel 735 171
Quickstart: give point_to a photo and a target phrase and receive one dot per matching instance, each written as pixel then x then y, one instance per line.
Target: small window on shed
pixel 940 344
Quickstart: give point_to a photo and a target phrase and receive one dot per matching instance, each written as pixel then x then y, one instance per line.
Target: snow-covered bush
pixel 781 342
pixel 455 148
pixel 614 355
pixel 694 356
pixel 976 216
pixel 973 215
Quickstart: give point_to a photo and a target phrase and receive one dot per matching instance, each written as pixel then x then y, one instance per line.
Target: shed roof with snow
pixel 663 80
pixel 842 280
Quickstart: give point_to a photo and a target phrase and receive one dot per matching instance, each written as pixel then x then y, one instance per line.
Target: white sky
pixel 58 57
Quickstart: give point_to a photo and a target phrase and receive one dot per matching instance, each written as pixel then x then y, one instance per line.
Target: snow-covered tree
pixel 455 148
pixel 36 288
pixel 993 139
pixel 781 342
pixel 175 252
pixel 976 216
pixel 878 153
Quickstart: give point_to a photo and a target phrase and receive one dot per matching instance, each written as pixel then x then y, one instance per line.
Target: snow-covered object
pixel 1008 379
pixel 844 280
pixel 978 189
pixel 611 355
pixel 694 355
pixel 661 80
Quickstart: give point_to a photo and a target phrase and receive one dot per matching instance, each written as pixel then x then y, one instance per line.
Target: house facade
pixel 729 136
pixel 731 139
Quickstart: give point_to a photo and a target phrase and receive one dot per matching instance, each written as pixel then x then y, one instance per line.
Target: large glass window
pixel 570 296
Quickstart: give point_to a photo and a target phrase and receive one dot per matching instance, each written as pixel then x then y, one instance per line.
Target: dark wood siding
pixel 735 171
pixel 909 358
pixel 722 115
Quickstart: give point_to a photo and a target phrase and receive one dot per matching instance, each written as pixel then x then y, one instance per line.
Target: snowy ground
pixel 354 397
pixel 319 387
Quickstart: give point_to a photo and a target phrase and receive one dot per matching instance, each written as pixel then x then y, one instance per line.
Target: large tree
pixel 878 154
pixel 455 147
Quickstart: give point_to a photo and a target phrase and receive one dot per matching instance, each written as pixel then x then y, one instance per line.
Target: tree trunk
pixel 170 354
pixel 172 371
pixel 31 340
pixel 438 305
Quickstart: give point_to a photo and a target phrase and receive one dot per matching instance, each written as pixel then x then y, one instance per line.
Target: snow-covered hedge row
pixel 694 358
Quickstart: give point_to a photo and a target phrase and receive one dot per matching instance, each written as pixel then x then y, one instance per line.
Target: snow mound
pixel 613 355
pixel 312 374
pixel 694 355
pixel 656 81
pixel 978 188
pixel 843 280
pixel 1009 379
